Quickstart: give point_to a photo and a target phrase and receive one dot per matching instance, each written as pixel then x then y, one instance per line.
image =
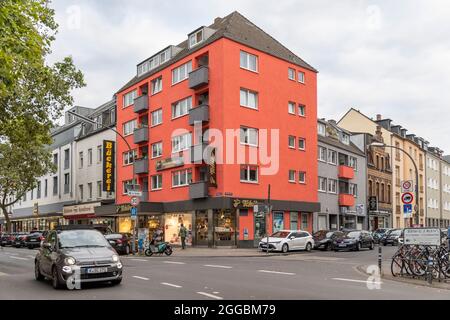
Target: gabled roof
pixel 237 28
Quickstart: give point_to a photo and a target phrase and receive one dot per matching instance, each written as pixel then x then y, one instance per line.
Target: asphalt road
pixel 315 275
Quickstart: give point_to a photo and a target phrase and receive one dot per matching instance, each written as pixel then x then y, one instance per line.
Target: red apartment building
pixel 229 75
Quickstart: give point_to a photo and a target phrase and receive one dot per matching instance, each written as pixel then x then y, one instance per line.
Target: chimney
pixel 379 134
pixel 379 117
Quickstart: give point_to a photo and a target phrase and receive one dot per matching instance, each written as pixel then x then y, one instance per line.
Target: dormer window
pixel 196 38
pixel 345 138
pixel 321 129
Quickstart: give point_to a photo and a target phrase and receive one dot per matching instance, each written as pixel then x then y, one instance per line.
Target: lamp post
pixel 86 119
pixel 416 189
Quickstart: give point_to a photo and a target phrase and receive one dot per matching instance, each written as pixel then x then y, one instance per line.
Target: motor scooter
pixel 160 248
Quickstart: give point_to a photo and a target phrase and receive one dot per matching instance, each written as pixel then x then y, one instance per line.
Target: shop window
pixel 278 221
pixel 224 228
pixel 172 227
pixel 294 221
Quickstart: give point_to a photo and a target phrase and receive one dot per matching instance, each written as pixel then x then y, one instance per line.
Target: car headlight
pixel 115 258
pixel 70 261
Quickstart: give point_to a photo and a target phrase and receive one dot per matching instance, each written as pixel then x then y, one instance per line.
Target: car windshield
pixel 280 234
pixel 353 234
pixel 81 238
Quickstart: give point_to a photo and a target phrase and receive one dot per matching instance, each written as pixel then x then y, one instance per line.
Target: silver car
pixel 287 240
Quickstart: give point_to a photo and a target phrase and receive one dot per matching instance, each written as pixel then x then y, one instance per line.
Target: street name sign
pixel 423 236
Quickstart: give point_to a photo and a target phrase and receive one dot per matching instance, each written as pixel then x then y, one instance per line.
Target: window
pixel 291 142
pixel 156 85
pixel 129 157
pixel 128 127
pixel 45 188
pixel 249 61
pixel 332 157
pixel 305 222
pixel 332 186
pixel 55 160
pixel 156 117
pixel 353 189
pixel 55 186
pixel 345 138
pixel 38 190
pixel 181 73
pixel 291 107
pixel 302 177
pixel 99 189
pixel 322 184
pixel 249 174
pixel 128 99
pixel 301 144
pixel 81 159
pixel 294 220
pixel 196 38
pixel 249 99
pixel 157 150
pixel 292 175
pixel 353 163
pixel 89 157
pixel 181 178
pixel 249 136
pixel 301 110
pixel 66 159
pixel 291 74
pixel 322 154
pixel 31 194
pixel 89 190
pixel 80 188
pixel 321 129
pixel 301 77
pixel 99 154
pixel 157 182
pixel 66 183
pixel 127 184
pixel 181 108
pixel 182 142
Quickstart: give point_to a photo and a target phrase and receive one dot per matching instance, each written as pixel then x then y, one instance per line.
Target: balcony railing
pixel 197 152
pixel 199 114
pixel 198 190
pixel 347 200
pixel 346 172
pixel 140 166
pixel 141 104
pixel 140 135
pixel 198 78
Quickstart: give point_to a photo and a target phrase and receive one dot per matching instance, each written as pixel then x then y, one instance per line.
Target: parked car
pixel 354 240
pixel 19 240
pixel 5 239
pixel 287 240
pixel 391 237
pixel 323 239
pixel 379 233
pixel 120 241
pixel 33 240
pixel 71 251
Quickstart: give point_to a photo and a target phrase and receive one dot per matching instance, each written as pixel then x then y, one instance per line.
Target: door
pixel 322 225
pixel 294 243
pixel 302 239
pixel 46 259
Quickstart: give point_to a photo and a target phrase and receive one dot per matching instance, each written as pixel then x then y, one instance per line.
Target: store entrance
pixel 201 228
pixel 260 227
pixel 224 228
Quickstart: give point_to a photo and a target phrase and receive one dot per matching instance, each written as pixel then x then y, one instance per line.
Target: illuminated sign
pixel 108 166
pixel 212 169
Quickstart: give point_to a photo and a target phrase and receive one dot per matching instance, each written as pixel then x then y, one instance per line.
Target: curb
pixel 219 256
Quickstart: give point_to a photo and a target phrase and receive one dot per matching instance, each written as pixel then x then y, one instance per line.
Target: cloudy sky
pixel 388 57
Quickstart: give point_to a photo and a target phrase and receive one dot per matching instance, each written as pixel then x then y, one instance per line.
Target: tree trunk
pixel 7 219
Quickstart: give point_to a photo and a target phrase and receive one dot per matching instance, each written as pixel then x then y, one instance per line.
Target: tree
pixel 33 95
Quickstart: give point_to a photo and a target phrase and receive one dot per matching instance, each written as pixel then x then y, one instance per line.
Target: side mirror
pixel 111 242
pixel 291 238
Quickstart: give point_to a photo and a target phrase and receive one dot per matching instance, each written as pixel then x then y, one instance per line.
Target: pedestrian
pixel 182 234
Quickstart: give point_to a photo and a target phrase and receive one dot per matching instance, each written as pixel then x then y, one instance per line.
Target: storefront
pixel 172 224
pixel 80 213
pixel 379 219
pixel 27 224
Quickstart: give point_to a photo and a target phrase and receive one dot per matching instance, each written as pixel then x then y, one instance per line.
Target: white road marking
pixel 142 278
pixel 31 256
pixel 139 260
pixel 359 281
pixel 171 285
pixel 216 292
pixel 13 254
pixel 174 262
pixel 2 274
pixel 19 258
pixel 217 266
pixel 210 295
pixel 277 272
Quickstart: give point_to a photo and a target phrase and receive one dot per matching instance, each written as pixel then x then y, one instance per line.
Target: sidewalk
pixel 220 252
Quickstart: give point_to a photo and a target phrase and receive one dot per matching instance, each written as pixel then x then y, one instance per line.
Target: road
pixel 315 275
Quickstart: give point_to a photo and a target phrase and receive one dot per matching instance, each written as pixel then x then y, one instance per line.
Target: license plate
pixel 97 270
pixel 33 240
pixel 342 245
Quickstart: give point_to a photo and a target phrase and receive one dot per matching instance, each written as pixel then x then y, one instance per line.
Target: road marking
pixel 171 285
pixel 210 295
pixel 174 262
pixel 142 278
pixel 217 266
pixel 277 272
pixel 359 281
pixel 13 254
pixel 2 274
pixel 139 260
pixel 31 256
pixel 18 258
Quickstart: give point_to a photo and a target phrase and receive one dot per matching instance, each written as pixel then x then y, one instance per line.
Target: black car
pixel 19 240
pixel 33 240
pixel 72 255
pixel 120 241
pixel 379 233
pixel 392 237
pixel 323 239
pixel 354 240
pixel 5 239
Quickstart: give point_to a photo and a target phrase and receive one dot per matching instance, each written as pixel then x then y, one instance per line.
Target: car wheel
pixel 329 247
pixel 371 246
pixel 55 279
pixel 127 250
pixel 37 273
pixel 308 247
pixel 116 282
pixel 285 248
pixel 358 246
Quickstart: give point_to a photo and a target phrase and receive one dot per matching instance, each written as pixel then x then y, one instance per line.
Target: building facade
pixel 200 117
pixel 342 180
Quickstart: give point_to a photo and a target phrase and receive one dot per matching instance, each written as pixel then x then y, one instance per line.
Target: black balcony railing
pixel 199 114
pixel 140 135
pixel 198 78
pixel 198 190
pixel 141 104
pixel 140 166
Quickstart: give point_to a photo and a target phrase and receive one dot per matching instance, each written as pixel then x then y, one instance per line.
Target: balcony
pixel 140 135
pixel 198 78
pixel 199 114
pixel 197 152
pixel 141 104
pixel 346 200
pixel 140 166
pixel 346 172
pixel 198 190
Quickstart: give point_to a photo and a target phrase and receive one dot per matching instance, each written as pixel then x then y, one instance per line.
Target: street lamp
pixel 416 189
pixel 86 119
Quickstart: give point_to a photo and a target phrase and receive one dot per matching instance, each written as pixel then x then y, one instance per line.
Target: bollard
pixel 429 271
pixel 380 260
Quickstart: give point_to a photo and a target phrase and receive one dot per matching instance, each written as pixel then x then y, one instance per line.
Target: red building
pixel 218 93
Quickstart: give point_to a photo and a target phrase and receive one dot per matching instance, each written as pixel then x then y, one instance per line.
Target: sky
pixel 380 57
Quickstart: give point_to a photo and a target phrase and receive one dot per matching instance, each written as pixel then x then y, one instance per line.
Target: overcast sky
pixel 388 57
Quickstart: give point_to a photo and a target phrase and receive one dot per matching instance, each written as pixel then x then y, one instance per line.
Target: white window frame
pixel 99 154
pixel 330 183
pixel 353 189
pixel 290 139
pixel 156 85
pixel 158 178
pixel 244 61
pixel 157 114
pixel 194 37
pixel 304 144
pixel 291 107
pixel 183 106
pixel 291 176
pixel 249 168
pixel 353 162
pixel 245 133
pixel 330 151
pixel 302 78
pixel 291 70
pixel 127 128
pixel 126 157
pixel 244 94
pixel 187 173
pixel 90 157
pixel 301 107
pixel 182 142
pixel 181 72
pixel 161 149
pixel 319 131
pixel 81 159
pixel 125 183
pixel 128 98
pixel 321 180
pixel 300 175
pixel 320 148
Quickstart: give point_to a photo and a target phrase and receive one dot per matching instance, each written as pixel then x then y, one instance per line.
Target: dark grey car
pixel 83 255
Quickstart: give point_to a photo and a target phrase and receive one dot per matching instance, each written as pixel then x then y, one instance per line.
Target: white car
pixel 287 240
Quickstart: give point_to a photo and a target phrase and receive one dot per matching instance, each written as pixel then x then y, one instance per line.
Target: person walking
pixel 182 234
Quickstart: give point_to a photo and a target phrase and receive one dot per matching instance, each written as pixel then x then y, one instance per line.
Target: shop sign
pixel 108 166
pixel 122 208
pixel 169 163
pixel 360 209
pixel 244 203
pixel 212 169
pixel 82 209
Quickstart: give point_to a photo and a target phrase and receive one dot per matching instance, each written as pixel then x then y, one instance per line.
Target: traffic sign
pixel 133 213
pixel 407 186
pixel 134 201
pixel 133 193
pixel 407 209
pixel 407 198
